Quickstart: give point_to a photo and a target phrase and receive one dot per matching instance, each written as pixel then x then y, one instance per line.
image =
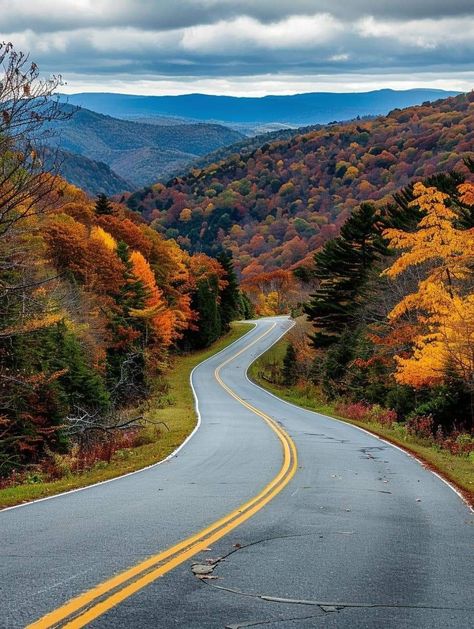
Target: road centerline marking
pixel 82 609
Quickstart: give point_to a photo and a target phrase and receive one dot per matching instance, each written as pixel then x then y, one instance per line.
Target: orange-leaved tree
pixel 161 319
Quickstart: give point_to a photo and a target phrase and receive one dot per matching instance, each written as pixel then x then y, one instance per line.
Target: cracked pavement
pixel 363 536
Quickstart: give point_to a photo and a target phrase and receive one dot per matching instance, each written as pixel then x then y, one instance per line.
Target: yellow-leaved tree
pixel 443 256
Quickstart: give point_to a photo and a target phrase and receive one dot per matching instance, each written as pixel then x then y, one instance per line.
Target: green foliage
pixel 102 206
pixel 230 299
pixel 330 369
pixel 205 302
pixel 290 366
pixel 81 383
pixel 341 269
pixel 37 404
pixel 246 307
pixel 448 405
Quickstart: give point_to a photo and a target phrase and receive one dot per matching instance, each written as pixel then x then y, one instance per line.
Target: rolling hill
pixel 136 152
pixel 92 176
pixel 274 206
pixel 295 110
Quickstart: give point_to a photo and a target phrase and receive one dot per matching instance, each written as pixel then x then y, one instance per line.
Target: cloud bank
pixel 244 46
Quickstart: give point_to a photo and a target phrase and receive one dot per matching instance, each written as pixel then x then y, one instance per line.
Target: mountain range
pixel 290 110
pixel 135 141
pixel 274 206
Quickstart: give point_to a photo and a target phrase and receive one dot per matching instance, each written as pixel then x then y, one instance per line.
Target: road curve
pixel 361 536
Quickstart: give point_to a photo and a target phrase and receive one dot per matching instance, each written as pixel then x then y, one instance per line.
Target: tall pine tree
pixel 205 302
pixel 102 205
pixel 230 299
pixel 290 366
pixel 342 268
pixel 125 358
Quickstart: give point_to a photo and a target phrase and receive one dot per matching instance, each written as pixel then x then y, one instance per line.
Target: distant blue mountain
pixel 295 110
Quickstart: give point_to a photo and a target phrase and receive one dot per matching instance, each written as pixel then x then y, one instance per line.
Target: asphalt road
pixel 361 536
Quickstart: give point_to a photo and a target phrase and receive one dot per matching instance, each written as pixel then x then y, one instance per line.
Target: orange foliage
pixel 202 266
pixel 272 293
pixel 162 319
pixel 90 260
pixel 124 229
pixel 467 193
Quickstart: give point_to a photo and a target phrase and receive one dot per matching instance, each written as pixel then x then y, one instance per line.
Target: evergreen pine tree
pixel 246 307
pixel 342 268
pixel 209 322
pixel 290 366
pixel 102 205
pixel 230 299
pixel 403 214
pixel 81 383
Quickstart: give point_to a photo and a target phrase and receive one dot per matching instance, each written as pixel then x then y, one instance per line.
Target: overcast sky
pixel 246 47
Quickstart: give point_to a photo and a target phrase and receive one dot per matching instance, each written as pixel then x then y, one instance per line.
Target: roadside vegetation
pixel 388 342
pixel 168 418
pixel 451 457
pixel 94 304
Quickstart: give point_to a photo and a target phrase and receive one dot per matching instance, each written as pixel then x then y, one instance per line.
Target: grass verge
pixel 458 470
pixel 180 417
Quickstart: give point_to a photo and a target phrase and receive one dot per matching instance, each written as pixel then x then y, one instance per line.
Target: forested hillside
pixel 92 300
pixel 91 176
pixel 137 152
pixel 275 206
pixel 389 336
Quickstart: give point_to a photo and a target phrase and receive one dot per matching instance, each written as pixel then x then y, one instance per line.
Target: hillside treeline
pixel 92 300
pixel 274 206
pixel 392 312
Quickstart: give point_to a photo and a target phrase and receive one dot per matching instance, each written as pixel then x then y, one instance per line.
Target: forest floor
pixel 456 469
pixel 177 417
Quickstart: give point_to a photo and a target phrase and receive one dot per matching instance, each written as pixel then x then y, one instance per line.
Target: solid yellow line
pixel 114 600
pixel 187 548
pixel 80 601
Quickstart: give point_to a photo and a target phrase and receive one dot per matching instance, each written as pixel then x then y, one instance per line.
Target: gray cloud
pixel 49 15
pixel 219 39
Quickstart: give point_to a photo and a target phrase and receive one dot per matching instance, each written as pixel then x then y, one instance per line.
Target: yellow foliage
pixel 185 215
pixel 97 233
pixel 33 325
pixel 436 239
pixel 444 301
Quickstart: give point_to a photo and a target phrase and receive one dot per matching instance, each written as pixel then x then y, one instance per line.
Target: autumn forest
pixel 362 231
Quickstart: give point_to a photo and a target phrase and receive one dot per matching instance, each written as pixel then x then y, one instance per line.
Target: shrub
pixel 380 415
pixel 420 426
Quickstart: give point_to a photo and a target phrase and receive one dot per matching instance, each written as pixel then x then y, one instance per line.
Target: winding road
pixel 270 515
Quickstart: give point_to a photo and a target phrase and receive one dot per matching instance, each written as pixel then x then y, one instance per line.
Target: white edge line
pixel 409 454
pixel 166 459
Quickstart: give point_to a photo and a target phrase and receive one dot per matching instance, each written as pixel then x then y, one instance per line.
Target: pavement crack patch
pixel 205 568
pixel 258 623
pixel 336 606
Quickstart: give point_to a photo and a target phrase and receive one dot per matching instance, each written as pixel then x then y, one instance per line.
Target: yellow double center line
pixel 83 609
